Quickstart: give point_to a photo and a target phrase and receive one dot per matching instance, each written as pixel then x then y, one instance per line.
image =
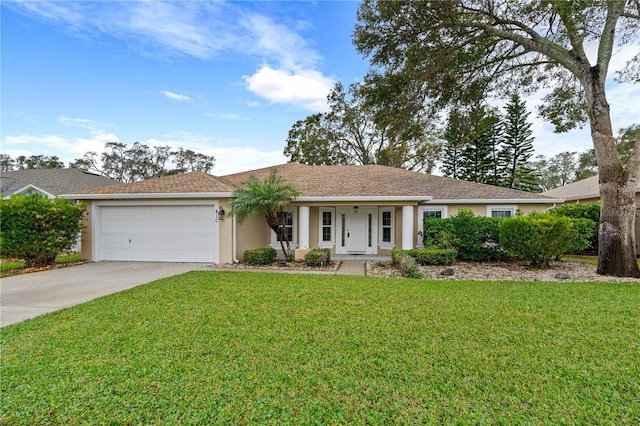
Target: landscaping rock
pixel 562 276
pixel 447 272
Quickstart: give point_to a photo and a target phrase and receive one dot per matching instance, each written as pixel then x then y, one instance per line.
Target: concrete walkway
pixel 351 267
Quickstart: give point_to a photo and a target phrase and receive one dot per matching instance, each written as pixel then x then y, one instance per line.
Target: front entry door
pixel 356 232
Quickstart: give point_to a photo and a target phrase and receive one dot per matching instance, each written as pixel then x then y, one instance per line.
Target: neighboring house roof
pixel 323 181
pixel 582 189
pixel 52 182
pixel 326 183
pixel 192 183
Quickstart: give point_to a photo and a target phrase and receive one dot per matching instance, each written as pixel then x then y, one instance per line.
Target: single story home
pixel 588 191
pixel 50 182
pixel 367 210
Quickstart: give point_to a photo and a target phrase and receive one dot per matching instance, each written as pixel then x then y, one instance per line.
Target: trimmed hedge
pixel 589 211
pixel 428 256
pixel 318 257
pixel 37 229
pixel 438 233
pixel 541 237
pixel 260 256
pixel 474 237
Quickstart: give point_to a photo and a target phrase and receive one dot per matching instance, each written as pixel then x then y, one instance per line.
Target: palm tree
pixel 270 198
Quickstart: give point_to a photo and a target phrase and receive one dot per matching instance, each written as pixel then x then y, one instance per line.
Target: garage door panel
pixel 186 233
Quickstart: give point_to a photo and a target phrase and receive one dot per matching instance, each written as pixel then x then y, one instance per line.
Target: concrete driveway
pixel 29 295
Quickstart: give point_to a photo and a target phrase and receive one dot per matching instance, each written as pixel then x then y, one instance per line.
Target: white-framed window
pixel 501 212
pixel 326 221
pixel 387 226
pixel 290 221
pixel 429 212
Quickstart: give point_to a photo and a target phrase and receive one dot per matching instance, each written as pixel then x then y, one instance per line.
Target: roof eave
pixel 363 198
pixel 496 201
pixel 147 196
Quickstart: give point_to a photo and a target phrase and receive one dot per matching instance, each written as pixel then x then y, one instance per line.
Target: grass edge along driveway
pixel 246 348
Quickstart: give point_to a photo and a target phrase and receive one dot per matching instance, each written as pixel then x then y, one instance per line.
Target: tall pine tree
pixel 517 148
pixel 478 155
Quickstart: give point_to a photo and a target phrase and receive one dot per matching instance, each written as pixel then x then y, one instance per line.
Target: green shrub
pixel 475 237
pixel 260 256
pixel 437 233
pixel 407 265
pixel 585 235
pixel 427 256
pixel 589 211
pixel 539 238
pixel 318 257
pixel 37 229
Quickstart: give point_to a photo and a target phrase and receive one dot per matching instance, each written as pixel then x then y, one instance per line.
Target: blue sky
pixel 228 79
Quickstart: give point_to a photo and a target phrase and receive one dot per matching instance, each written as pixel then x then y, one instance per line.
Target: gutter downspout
pixel 234 227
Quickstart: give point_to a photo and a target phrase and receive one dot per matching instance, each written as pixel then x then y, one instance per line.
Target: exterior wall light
pixel 220 214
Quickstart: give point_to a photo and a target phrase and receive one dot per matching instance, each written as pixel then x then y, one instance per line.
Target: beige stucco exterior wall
pixel 85 238
pixel 253 232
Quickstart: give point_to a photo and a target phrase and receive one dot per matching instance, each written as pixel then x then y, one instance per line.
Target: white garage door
pixel 162 233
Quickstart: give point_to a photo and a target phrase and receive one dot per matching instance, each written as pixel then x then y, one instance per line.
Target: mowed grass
pixel 11 267
pixel 260 348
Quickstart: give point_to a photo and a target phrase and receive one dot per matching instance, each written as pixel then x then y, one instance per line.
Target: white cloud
pixel 203 30
pixel 280 43
pixel 66 148
pixel 175 96
pixel 238 159
pixel 308 89
pixel 84 123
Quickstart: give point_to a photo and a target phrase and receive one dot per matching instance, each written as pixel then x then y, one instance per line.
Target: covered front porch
pixel 358 230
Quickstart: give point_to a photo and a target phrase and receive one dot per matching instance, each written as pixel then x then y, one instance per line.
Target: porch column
pixel 407 227
pixel 303 227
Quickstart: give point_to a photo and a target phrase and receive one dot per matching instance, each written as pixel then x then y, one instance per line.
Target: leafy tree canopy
pixel 7 163
pixel 139 161
pixel 358 132
pixel 432 54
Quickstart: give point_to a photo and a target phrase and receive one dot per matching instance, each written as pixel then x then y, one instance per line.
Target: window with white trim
pixel 290 223
pixel 387 222
pixel 429 212
pixel 326 236
pixel 501 212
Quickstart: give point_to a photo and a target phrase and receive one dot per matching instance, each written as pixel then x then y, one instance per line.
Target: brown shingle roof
pixel 376 180
pixel 53 181
pixel 328 181
pixel 184 183
pixel 586 188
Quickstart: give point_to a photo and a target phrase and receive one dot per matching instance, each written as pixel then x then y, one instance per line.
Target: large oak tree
pixel 447 52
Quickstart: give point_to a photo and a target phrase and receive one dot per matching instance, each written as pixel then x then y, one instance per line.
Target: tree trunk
pixel 274 223
pixel 616 233
pixel 616 239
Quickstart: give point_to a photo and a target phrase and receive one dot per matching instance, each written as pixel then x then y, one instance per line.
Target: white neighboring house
pixel 51 182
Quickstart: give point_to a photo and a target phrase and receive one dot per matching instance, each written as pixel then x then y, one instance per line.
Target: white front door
pixel 356 232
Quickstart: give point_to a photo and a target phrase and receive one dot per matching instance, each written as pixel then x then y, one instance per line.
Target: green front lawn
pixel 247 347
